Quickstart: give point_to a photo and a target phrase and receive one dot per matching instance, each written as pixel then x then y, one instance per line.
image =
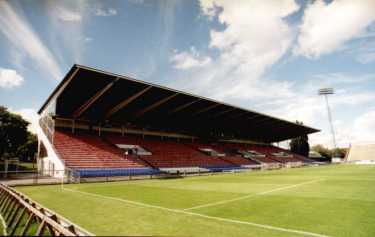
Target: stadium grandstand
pixel 97 123
pixel 362 153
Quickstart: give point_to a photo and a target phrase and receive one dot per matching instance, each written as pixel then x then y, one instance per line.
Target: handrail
pixel 14 206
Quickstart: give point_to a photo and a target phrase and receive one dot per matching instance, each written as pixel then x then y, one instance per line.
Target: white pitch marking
pixel 251 195
pixel 281 229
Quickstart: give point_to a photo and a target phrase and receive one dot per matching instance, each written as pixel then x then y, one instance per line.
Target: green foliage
pixel 300 145
pixel 15 140
pixel 339 152
pixel 323 151
pixel 329 153
pixel 26 152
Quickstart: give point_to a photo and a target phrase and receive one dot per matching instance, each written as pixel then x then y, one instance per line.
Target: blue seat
pixel 89 173
pixel 223 168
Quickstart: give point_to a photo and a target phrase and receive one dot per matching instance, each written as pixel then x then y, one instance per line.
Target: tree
pixel 339 152
pixel 329 153
pixel 26 152
pixel 13 133
pixel 300 145
pixel 323 151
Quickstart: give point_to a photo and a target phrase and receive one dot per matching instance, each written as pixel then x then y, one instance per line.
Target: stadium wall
pixel 361 154
pixel 50 163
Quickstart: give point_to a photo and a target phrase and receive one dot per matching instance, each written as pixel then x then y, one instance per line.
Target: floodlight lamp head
pixel 326 91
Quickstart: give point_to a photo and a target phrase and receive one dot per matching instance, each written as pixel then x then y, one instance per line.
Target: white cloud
pixel 9 78
pixel 366 57
pixel 312 111
pixel 337 79
pixel 137 1
pixel 21 35
pixel 88 39
pixel 364 127
pixel 30 115
pixel 366 51
pixel 66 14
pixel 247 48
pixel 209 8
pixel 68 19
pixel 326 27
pixel 351 100
pixel 85 39
pixel 359 130
pixel 76 11
pixel 188 60
pixel 71 42
pixel 105 12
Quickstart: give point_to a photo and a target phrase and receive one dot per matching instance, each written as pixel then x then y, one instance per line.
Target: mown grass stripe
pixel 269 227
pixel 251 195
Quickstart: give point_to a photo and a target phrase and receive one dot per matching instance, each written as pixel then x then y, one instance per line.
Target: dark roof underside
pixel 87 93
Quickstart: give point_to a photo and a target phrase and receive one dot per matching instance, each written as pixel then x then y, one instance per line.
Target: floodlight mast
pixel 325 92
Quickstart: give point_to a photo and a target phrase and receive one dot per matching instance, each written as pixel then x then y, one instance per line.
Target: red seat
pixel 230 157
pixel 83 150
pixel 169 154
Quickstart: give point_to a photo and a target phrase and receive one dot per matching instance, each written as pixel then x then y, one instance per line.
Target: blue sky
pixel 269 56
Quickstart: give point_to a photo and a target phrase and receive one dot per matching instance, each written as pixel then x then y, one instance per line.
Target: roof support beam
pixel 223 112
pixel 279 133
pixel 56 94
pixel 272 122
pixel 239 115
pixel 154 105
pixel 78 112
pixel 184 106
pixel 126 102
pixel 260 121
pixel 205 109
pixel 252 117
pixel 253 125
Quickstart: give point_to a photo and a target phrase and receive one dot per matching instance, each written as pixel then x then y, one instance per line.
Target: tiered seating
pixel 269 150
pixel 303 159
pixel 244 147
pixel 83 150
pixel 229 156
pixel 238 160
pixel 299 157
pixel 170 154
pixel 296 157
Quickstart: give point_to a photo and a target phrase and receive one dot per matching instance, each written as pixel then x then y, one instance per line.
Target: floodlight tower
pixel 326 92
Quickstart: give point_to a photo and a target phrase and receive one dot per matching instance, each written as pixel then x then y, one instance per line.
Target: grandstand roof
pixel 91 94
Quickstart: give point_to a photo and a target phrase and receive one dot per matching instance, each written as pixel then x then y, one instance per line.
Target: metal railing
pixel 39 177
pixel 24 217
pixel 69 175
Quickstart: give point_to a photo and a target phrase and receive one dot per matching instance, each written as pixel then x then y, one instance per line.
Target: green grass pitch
pixel 337 200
